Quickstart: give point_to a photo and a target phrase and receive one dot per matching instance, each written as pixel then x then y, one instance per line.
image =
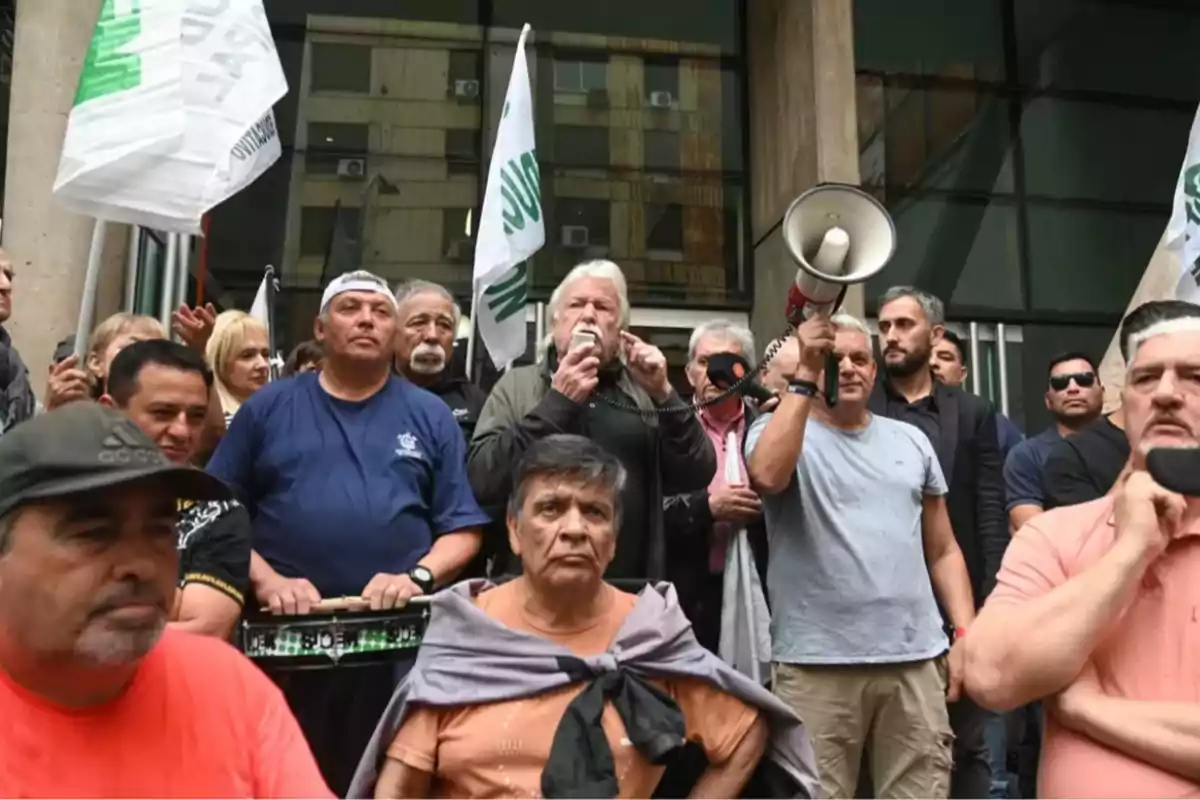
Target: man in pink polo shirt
pixel 1096 604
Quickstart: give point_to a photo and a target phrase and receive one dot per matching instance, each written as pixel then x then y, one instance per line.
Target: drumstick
pixel 331 604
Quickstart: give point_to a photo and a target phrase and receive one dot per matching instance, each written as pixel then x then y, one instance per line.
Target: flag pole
pixel 271 287
pixel 471 323
pixel 87 303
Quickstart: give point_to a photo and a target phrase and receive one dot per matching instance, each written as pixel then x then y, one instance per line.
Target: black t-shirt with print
pixel 214 547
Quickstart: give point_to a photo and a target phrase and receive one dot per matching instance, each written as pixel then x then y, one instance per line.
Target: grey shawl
pixel 467 658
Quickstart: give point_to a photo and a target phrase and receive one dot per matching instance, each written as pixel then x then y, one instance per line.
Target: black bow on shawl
pixel 581 760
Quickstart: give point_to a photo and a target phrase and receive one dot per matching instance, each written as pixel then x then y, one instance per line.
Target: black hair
pixel 309 352
pixel 1071 355
pixel 571 457
pixel 1152 313
pixel 956 340
pixel 128 365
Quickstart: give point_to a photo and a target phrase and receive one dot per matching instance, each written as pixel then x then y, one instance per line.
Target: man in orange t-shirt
pixel 97 700
pixel 1095 606
pixel 562 524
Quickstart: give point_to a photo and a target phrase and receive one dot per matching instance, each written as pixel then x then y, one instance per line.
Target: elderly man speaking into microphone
pixel 558 684
pixel 598 380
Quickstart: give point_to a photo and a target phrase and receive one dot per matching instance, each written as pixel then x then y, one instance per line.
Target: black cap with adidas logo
pixel 85 446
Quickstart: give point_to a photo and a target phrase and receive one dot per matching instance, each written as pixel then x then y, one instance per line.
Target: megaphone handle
pixel 831 380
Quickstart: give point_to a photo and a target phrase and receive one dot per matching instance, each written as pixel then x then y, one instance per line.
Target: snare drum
pixel 327 639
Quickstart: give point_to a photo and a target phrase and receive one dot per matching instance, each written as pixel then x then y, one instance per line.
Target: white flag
pixel 259 308
pixel 511 227
pixel 173 111
pixel 1183 231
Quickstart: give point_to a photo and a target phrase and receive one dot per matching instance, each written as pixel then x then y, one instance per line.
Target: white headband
pixel 356 282
pixel 1178 325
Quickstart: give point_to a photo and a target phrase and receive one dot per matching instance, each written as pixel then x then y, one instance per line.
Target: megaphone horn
pixel 838 235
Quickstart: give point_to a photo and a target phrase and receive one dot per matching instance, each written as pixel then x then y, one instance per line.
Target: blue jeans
pixel 995 735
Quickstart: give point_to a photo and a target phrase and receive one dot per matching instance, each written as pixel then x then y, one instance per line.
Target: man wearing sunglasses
pixel 1073 397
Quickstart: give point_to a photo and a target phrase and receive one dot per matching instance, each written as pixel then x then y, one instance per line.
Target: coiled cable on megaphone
pixel 837 235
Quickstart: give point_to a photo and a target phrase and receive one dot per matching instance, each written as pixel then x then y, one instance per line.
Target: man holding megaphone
pixel 855 508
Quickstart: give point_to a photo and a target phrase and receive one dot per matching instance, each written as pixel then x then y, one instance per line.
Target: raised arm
pixel 772 462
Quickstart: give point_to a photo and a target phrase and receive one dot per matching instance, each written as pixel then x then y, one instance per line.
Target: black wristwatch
pixel 423 578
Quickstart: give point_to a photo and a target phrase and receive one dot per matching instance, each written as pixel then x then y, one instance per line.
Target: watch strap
pixel 803 388
pixel 423 578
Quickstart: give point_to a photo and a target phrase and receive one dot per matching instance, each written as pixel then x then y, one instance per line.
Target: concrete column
pixel 48 245
pixel 803 131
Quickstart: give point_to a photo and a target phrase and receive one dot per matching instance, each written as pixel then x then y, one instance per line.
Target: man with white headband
pixel 356 481
pixel 1095 604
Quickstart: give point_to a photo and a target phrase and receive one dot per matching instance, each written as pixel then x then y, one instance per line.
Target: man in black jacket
pixel 700 523
pixel 427 319
pixel 962 428
pixel 598 380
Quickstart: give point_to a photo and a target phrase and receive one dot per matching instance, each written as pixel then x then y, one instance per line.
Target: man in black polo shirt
pixel 427 319
pixel 164 387
pixel 1084 466
pixel 962 428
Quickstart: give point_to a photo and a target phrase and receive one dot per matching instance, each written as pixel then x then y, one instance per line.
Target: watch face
pixel 422 574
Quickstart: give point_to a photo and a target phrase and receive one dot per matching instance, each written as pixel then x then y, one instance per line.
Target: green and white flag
pixel 511 227
pixel 173 113
pixel 1183 231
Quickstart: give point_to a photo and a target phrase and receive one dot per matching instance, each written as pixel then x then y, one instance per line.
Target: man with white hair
pixel 1095 605
pixel 700 523
pixel 856 515
pixel 599 380
pixel 356 483
pixel 427 319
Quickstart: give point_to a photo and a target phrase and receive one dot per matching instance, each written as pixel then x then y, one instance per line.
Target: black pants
pixel 971 776
pixel 338 709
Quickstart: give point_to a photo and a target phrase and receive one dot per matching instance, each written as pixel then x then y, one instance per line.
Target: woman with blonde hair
pixel 238 354
pixel 69 381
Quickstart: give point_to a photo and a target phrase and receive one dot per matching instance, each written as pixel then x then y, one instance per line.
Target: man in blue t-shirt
pixel 1074 398
pixel 356 481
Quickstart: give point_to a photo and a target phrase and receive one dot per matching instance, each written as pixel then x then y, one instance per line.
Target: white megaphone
pixel 838 235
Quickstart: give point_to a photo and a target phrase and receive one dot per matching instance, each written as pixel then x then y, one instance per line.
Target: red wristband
pixel 959 633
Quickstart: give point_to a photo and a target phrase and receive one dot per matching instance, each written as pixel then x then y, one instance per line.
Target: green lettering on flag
pixel 521 191
pixel 507 296
pixel 106 68
pixel 1191 190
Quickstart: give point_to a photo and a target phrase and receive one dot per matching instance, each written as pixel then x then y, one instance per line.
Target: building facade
pixel 1027 150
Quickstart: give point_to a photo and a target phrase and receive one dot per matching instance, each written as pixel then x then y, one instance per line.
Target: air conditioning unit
pixel 575 236
pixel 352 168
pixel 467 89
pixel 661 100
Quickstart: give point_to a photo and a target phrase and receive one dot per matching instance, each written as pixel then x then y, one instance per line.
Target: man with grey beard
pixel 427 319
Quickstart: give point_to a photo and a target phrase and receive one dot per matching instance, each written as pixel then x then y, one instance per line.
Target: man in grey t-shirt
pixel 857 527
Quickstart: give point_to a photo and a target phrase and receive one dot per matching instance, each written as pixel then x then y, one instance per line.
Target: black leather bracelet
pixel 803 388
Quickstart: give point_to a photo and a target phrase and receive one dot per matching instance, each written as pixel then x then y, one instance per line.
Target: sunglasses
pixel 1083 380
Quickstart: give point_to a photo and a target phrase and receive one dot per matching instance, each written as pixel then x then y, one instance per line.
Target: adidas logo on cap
pixel 127 446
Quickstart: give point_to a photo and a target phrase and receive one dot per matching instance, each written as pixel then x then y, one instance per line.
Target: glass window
pixel 966 252
pixel 462 151
pixel 946 38
pixel 464 75
pixel 664 232
pixel 337 148
pixel 1089 259
pixel 662 150
pixel 1127 48
pixel 1080 150
pixel 580 146
pixel 341 68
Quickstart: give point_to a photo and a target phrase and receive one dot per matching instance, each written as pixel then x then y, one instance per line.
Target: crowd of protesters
pixel 748 593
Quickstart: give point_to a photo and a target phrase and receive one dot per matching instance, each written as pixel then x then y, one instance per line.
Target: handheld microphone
pixel 728 369
pixel 1176 469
